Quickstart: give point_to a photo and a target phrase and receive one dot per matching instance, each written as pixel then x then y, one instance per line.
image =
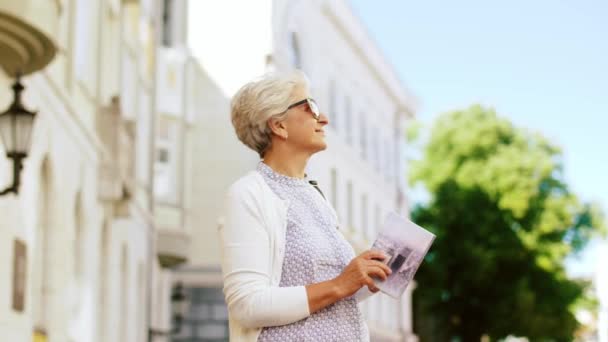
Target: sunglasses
pixel 314 109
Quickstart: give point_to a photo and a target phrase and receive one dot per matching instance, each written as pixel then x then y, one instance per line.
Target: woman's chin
pixel 321 146
pixel 317 145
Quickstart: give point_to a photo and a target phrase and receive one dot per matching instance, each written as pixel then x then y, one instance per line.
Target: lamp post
pixel 179 309
pixel 15 130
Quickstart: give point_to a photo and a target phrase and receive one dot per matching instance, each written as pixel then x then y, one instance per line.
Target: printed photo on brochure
pixel 405 245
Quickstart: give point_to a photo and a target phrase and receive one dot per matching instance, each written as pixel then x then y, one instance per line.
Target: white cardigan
pixel 253 246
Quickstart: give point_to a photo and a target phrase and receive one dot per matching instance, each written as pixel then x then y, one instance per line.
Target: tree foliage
pixel 505 220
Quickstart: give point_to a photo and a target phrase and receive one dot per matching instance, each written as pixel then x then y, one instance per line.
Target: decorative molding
pixel 24 47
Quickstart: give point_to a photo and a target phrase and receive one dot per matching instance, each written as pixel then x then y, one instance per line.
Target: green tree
pixel 505 220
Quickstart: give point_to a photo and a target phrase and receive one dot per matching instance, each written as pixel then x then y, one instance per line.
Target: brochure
pixel 405 243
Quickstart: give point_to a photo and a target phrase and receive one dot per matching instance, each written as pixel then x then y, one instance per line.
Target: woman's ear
pixel 278 128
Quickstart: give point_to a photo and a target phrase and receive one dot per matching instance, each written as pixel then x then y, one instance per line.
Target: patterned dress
pixel 315 251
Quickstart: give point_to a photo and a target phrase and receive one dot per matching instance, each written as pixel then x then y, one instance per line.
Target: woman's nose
pixel 323 119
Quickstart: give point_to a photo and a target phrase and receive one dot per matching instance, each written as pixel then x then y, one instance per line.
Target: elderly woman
pixel 289 274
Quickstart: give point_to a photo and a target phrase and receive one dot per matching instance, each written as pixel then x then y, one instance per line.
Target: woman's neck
pixel 291 165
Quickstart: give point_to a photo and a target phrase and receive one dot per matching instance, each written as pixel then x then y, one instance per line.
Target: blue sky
pixel 543 64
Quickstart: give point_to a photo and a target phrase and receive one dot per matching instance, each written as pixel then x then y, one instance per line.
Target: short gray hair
pixel 258 101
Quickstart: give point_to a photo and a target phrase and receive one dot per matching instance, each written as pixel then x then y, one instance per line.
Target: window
pixel 168 36
pixel 65 39
pixel 381 151
pixel 392 313
pixel 384 310
pixel 396 316
pixel 399 161
pixel 85 48
pixel 364 215
pixel 395 155
pixel 296 57
pixel 365 309
pixel 331 105
pixel 166 160
pixel 348 117
pixel 377 308
pixel 349 206
pixel 388 159
pixel 164 129
pixel 377 221
pixel 375 148
pixel 334 188
pixel 363 136
pixel 162 155
pixel 207 319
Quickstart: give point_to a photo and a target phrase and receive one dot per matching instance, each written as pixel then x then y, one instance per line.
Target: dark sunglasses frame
pixel 312 104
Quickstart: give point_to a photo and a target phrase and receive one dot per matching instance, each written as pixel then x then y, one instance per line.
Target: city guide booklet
pixel 405 243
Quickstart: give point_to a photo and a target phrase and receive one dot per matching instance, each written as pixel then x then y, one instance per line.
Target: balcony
pixel 116 179
pixel 26 35
pixel 173 241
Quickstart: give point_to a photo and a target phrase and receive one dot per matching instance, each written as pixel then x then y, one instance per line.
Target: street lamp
pixel 179 309
pixel 15 130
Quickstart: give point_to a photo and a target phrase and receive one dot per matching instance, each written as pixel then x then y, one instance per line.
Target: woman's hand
pixel 360 271
pixel 357 274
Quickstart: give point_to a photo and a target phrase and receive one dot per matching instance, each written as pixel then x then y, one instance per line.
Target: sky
pixel 542 64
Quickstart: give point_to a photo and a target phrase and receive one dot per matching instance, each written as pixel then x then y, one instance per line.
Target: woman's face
pixel 304 131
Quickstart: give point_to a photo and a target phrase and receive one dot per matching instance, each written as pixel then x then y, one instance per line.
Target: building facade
pixel 83 257
pixel 363 171
pixel 132 151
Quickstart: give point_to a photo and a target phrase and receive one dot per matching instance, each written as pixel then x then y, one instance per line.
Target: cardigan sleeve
pixel 251 299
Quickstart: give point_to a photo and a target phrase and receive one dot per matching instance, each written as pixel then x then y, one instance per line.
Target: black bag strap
pixel 314 183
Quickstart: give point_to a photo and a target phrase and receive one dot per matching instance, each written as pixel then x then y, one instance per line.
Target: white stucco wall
pixel 108 300
pixel 71 164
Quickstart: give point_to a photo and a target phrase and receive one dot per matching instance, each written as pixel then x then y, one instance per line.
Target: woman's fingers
pixel 373 255
pixel 377 271
pixel 371 285
pixel 379 264
pixel 361 269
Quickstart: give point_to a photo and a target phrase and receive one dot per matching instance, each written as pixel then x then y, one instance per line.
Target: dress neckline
pixel 271 174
